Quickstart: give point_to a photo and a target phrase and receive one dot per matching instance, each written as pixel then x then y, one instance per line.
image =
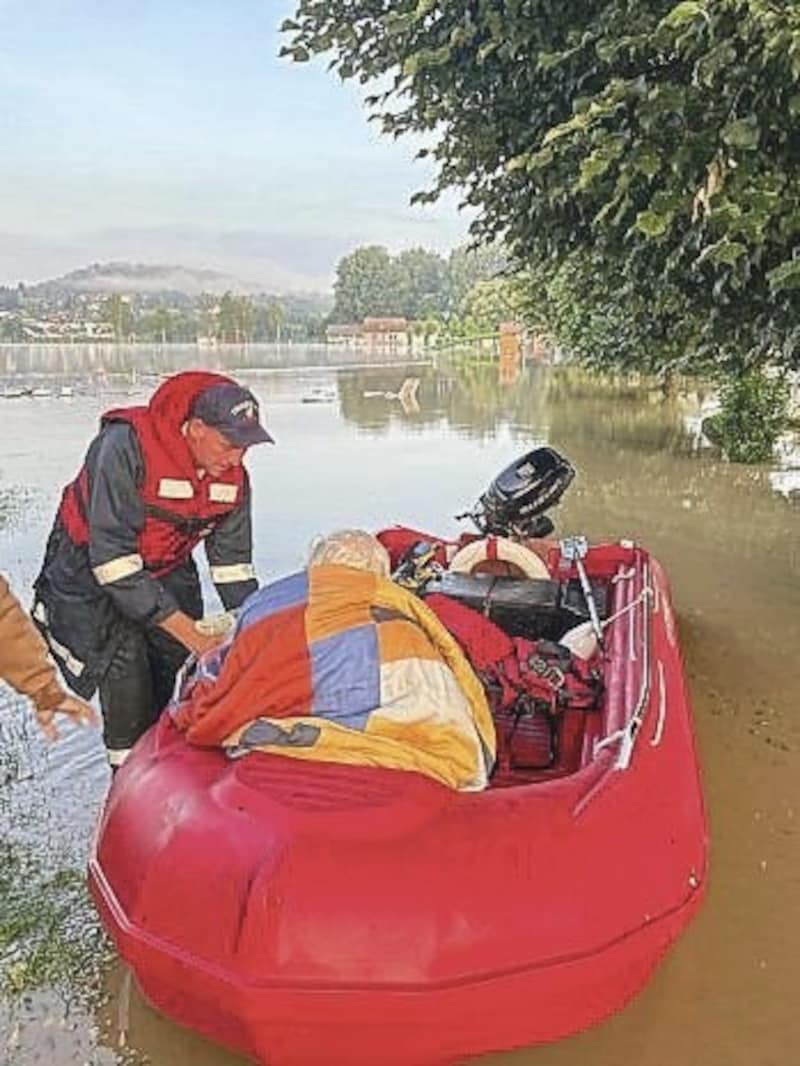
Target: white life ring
pixel 468 559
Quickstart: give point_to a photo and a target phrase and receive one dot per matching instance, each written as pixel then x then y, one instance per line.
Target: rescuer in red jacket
pixel 118 593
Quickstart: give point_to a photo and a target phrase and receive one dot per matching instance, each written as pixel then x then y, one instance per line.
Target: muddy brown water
pixel 350 452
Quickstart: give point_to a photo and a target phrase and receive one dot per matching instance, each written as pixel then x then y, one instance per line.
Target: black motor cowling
pixel 515 502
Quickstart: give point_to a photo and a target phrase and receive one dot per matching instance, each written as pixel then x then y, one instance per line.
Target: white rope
pixel 655 740
pixel 623 575
pixel 628 607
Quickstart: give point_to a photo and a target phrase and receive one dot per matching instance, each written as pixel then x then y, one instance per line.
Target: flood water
pixel 350 452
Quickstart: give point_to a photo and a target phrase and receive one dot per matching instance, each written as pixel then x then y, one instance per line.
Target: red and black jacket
pixel 139 507
pixel 180 506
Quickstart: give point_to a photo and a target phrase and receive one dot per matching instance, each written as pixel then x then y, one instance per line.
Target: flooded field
pixel 354 449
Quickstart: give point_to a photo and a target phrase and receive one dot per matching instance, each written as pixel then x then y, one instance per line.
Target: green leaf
pixel 686 11
pixel 606 50
pixel 542 158
pixel 548 60
pixel 742 133
pixel 648 163
pixel 577 122
pixel 652 224
pixel 714 62
pixel 722 251
pixel 596 164
pixel 785 276
pixel 517 162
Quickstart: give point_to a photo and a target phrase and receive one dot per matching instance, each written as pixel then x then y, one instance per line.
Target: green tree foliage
pixel 117 312
pixel 422 281
pixel 489 303
pixel 164 326
pixel 645 152
pixel 467 265
pixel 751 418
pixel 235 318
pixel 271 321
pixel 11 329
pixel 418 283
pixel 366 283
pixel 590 313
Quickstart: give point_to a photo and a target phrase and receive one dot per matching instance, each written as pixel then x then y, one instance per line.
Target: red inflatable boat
pixel 313 914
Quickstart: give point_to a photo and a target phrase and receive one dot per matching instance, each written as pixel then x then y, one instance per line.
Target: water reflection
pixel 470 398
pixel 23 363
pixel 351 451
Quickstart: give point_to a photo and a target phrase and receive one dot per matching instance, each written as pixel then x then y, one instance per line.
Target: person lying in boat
pixel 339 664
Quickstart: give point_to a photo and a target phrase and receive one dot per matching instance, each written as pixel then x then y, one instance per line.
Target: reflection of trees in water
pixel 575 383
pixel 614 413
pixel 693 510
pixel 640 480
pixel 557 403
pixel 74 360
pixel 637 474
pixel 470 398
pixel 369 397
pixel 607 422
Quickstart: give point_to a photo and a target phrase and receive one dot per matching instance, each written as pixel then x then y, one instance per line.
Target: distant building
pixel 373 335
pixel 345 336
pixel 386 334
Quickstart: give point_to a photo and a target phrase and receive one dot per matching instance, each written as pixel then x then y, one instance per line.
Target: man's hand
pixel 217 625
pixel 80 712
pixel 183 628
pixel 204 642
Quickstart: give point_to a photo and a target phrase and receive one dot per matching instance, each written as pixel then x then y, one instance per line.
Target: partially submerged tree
pixel 751 417
pixel 643 153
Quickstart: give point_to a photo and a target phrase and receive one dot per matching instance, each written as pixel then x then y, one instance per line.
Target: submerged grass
pixel 49 934
pixel 56 1001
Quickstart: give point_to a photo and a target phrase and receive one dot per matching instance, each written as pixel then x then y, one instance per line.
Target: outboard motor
pixel 515 502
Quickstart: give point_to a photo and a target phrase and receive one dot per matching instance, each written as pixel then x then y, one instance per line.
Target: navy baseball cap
pixel 233 410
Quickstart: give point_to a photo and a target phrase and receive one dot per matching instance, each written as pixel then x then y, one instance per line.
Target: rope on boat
pixel 625 736
pixel 655 740
pixel 647 591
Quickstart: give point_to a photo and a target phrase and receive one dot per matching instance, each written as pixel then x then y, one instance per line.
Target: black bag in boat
pixel 523 607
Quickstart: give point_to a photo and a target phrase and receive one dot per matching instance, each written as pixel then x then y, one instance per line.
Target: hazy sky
pixel 169 131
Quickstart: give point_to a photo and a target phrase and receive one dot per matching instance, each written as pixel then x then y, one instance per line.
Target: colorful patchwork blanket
pixel 341 665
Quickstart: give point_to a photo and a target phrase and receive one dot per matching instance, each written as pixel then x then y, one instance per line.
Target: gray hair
pixel 350 547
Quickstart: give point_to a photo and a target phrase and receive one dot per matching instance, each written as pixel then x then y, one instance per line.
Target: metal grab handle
pixel 574 549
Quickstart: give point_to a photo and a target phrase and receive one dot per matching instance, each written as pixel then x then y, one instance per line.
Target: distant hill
pixel 147 278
